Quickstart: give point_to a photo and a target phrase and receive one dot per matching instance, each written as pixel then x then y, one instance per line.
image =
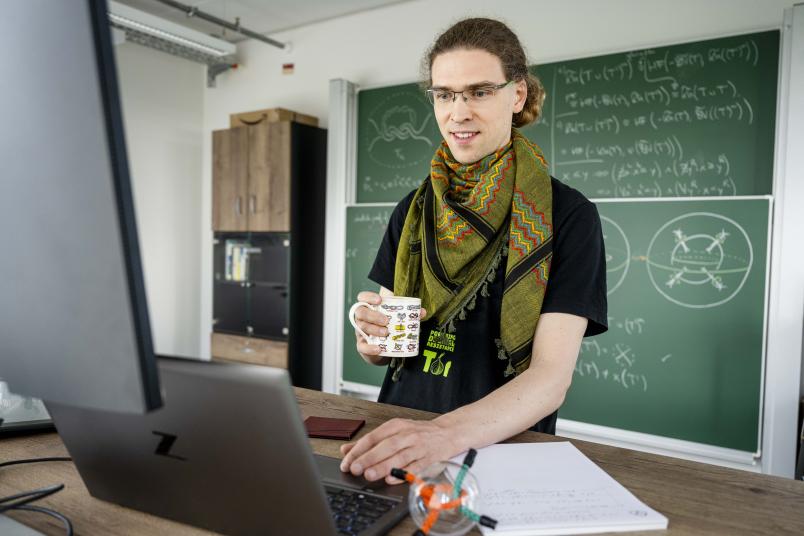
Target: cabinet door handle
pixel 239 206
pixel 252 203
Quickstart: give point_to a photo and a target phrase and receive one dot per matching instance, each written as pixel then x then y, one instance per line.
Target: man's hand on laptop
pixel 404 443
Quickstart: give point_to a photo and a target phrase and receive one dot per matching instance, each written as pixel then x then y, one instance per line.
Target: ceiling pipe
pixel 192 11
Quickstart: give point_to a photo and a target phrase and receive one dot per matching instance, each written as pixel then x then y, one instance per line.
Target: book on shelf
pixel 237 260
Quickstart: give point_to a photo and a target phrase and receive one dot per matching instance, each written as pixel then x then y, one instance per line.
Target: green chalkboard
pixel 683 354
pixel 638 132
pixel 694 119
pixel 684 351
pixel 365 227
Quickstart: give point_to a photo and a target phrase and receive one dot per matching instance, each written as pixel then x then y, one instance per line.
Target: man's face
pixel 474 130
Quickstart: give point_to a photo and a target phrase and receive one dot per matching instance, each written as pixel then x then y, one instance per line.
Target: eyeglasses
pixel 443 97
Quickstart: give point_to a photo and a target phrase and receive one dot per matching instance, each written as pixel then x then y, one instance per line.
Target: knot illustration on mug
pixel 403 314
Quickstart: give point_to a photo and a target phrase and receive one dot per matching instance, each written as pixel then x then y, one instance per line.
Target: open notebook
pixel 551 488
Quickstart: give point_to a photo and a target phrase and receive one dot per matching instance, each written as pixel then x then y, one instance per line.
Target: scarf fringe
pixel 396 365
pixel 484 290
pixel 502 354
pixel 509 369
pixel 470 301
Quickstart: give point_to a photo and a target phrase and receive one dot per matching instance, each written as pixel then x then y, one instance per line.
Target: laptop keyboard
pixel 353 512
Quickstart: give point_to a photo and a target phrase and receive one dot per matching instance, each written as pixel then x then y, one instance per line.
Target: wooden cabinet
pixel 269 174
pixel 249 350
pixel 268 201
pixel 229 179
pixel 251 178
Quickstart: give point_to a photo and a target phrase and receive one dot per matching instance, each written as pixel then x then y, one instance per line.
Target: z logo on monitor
pixel 165 444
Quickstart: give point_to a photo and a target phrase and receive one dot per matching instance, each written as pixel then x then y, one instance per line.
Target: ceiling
pixel 260 16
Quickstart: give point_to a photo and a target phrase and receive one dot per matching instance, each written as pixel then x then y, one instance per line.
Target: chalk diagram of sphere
pixel 618 253
pixel 699 260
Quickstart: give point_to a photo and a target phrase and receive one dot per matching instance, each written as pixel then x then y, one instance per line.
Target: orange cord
pixel 432 517
pixel 427 492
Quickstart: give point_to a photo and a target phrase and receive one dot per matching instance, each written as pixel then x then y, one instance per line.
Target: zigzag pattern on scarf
pixel 439 175
pixel 484 194
pixel 451 227
pixel 528 228
pixel 535 152
pixel 459 187
pixel 542 270
pixel 439 171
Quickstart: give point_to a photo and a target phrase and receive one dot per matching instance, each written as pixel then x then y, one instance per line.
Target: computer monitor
pixel 74 326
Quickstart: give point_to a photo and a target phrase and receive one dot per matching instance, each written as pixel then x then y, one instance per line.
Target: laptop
pixel 227 452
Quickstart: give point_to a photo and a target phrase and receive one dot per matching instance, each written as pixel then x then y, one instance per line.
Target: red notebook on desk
pixel 329 428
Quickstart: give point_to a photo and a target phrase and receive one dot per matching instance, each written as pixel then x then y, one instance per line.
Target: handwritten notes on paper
pixel 552 488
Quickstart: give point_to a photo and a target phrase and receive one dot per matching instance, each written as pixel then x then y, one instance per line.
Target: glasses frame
pixel 430 92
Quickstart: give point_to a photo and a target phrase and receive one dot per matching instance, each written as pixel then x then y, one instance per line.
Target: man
pixel 508 262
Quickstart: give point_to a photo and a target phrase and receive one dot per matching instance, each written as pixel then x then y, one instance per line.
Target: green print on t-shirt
pixel 433 363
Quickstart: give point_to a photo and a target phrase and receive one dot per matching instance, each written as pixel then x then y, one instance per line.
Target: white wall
pixel 385 46
pixel 163 100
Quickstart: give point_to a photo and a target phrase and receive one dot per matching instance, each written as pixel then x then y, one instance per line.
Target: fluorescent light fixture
pixel 134 19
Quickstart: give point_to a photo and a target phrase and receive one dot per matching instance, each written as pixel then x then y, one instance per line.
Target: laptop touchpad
pixel 331 472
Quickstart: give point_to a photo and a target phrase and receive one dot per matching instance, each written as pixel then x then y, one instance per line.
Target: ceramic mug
pixel 404 321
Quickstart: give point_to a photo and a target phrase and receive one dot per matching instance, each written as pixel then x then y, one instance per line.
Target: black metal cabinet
pixel 251 284
pixel 230 312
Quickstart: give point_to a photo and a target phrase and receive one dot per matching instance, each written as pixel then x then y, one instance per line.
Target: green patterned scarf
pixel 463 221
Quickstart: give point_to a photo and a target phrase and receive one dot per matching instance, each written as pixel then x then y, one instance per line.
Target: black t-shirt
pixel 455 369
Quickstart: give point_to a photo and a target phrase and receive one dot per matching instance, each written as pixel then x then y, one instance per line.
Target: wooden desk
pixel 697 498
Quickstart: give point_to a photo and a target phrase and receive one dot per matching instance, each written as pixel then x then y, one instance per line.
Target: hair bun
pixel 533 103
